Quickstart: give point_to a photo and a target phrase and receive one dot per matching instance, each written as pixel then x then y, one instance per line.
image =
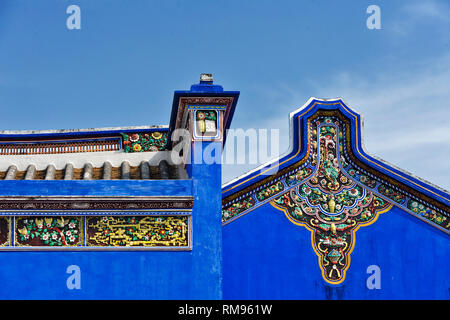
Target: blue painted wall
pixel 195 274
pixel 265 256
pixel 105 275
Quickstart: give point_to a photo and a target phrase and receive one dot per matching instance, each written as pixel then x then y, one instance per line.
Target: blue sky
pixel 122 67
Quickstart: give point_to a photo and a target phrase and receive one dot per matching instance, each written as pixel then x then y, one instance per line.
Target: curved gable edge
pixel 417 193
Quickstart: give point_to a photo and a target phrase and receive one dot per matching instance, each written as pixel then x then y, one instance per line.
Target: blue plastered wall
pixel 195 274
pixel 265 256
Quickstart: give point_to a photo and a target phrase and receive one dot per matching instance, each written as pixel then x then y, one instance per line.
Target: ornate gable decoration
pixel 329 185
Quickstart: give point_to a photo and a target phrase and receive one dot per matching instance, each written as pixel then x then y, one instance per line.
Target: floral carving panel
pixel 142 142
pixel 48 231
pixel 137 231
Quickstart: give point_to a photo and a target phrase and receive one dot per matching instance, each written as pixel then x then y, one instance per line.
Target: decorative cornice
pixel 91 203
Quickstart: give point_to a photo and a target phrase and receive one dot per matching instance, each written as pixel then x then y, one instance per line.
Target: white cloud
pixel 428 10
pixel 419 13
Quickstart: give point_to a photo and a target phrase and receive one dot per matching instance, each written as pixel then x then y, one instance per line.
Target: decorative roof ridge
pixel 292 146
pixel 412 190
pixel 281 156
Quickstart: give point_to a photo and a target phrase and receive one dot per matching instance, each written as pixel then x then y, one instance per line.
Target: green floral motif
pixel 344 162
pixel 48 231
pixel 333 236
pixel 329 175
pixel 237 208
pixel 330 202
pixel 329 167
pixel 298 176
pixel 427 213
pixel 269 191
pixel 206 115
pixel 364 179
pixel 142 142
pixel 391 193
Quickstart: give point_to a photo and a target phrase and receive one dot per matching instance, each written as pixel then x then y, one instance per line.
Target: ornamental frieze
pixel 137 231
pixel 98 204
pixel 154 232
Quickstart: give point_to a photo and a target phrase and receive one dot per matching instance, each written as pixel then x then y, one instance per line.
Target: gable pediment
pixel 333 121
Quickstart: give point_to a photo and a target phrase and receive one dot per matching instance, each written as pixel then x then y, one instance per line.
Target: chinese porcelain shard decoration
pixel 330 195
pixel 330 204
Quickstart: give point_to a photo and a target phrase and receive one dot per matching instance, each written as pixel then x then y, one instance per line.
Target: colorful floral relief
pixel 206 122
pixel 269 191
pixel 206 115
pixel 142 142
pixel 299 176
pixel 237 208
pixel 102 231
pixel 364 179
pixel 333 236
pixel 137 231
pixel 240 206
pixel 400 198
pixel 329 176
pixel 428 213
pixel 391 193
pixel 331 203
pixel 48 231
